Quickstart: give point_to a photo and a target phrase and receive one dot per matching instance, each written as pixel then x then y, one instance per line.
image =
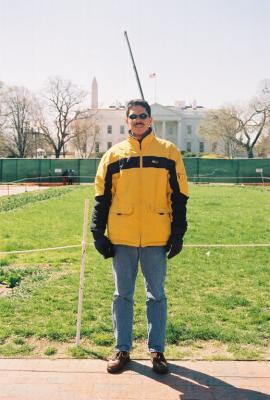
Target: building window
pixel 188 146
pixel 109 145
pixel 201 147
pixel 189 129
pixel 97 148
pixel 97 129
pixel 122 128
pixel 109 129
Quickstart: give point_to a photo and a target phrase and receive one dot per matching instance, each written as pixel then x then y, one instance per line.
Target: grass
pixel 218 298
pixel 8 203
pixel 50 351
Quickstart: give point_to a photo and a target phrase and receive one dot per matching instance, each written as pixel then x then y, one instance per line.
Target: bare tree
pixel 263 147
pixel 61 102
pixel 2 113
pixel 219 130
pixel 4 151
pixel 95 132
pixel 251 122
pixel 2 121
pixel 237 126
pixel 85 134
pixel 18 110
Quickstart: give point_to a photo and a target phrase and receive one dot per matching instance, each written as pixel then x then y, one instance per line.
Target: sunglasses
pixel 141 116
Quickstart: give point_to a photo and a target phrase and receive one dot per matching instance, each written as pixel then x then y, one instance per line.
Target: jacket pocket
pixel 122 210
pixel 162 211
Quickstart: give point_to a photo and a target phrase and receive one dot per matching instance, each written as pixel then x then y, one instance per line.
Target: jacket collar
pixel 146 139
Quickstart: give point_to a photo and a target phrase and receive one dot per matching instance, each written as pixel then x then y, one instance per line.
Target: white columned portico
pixel 163 129
pixel 180 141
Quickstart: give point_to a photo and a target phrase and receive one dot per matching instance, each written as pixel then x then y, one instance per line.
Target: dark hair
pixel 138 102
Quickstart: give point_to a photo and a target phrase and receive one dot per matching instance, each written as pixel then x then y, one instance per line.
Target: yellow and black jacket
pixel 141 192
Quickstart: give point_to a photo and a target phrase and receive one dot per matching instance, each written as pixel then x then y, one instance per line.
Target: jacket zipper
pixel 141 187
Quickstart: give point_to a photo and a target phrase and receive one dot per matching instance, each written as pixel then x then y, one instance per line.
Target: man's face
pixel 139 124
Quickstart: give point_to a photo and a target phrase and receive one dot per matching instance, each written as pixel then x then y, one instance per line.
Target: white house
pixel 110 123
pixel 179 125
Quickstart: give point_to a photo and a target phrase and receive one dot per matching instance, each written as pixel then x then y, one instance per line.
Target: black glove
pixel 103 245
pixel 174 245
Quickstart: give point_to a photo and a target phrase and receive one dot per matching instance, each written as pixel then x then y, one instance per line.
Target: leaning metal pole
pixel 134 66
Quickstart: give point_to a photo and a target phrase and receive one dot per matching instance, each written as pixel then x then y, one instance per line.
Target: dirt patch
pixel 207 350
pixel 41 345
pixel 29 281
pixel 196 351
pixel 5 290
pixel 200 350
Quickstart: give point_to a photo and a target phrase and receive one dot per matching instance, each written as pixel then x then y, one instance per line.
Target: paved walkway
pixel 8 190
pixel 69 379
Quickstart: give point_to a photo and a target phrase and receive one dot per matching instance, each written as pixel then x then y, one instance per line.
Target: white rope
pixel 190 177
pixel 37 250
pixel 185 245
pixel 228 177
pixel 229 245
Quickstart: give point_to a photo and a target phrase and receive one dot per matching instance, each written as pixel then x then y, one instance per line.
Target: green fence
pixel 199 170
pixel 46 171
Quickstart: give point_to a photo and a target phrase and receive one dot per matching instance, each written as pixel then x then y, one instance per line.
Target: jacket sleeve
pixel 178 192
pixel 103 196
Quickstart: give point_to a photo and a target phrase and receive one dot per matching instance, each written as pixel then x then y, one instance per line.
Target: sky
pixel 213 51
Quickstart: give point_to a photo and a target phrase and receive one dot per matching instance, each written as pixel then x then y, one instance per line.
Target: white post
pixel 84 244
pixel 262 177
pixel 260 171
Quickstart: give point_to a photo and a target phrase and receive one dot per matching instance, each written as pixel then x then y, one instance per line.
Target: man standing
pixel 141 195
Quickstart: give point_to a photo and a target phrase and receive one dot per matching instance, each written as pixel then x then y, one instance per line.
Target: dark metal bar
pixel 134 66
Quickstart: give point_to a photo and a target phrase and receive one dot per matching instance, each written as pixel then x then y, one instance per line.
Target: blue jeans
pixel 125 269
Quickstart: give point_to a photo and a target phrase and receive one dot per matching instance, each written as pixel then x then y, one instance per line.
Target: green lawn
pixel 218 298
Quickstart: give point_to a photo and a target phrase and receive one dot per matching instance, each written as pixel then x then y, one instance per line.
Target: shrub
pixel 13 280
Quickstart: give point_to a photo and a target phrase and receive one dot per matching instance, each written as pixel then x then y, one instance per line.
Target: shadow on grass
pixel 82 352
pixel 194 385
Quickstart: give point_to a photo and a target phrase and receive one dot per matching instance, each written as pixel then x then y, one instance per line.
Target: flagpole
pixel 134 66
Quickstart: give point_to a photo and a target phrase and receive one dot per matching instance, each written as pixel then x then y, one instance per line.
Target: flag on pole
pixel 152 75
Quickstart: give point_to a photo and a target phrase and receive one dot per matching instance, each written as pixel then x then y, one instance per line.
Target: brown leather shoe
pixel 159 362
pixel 118 361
